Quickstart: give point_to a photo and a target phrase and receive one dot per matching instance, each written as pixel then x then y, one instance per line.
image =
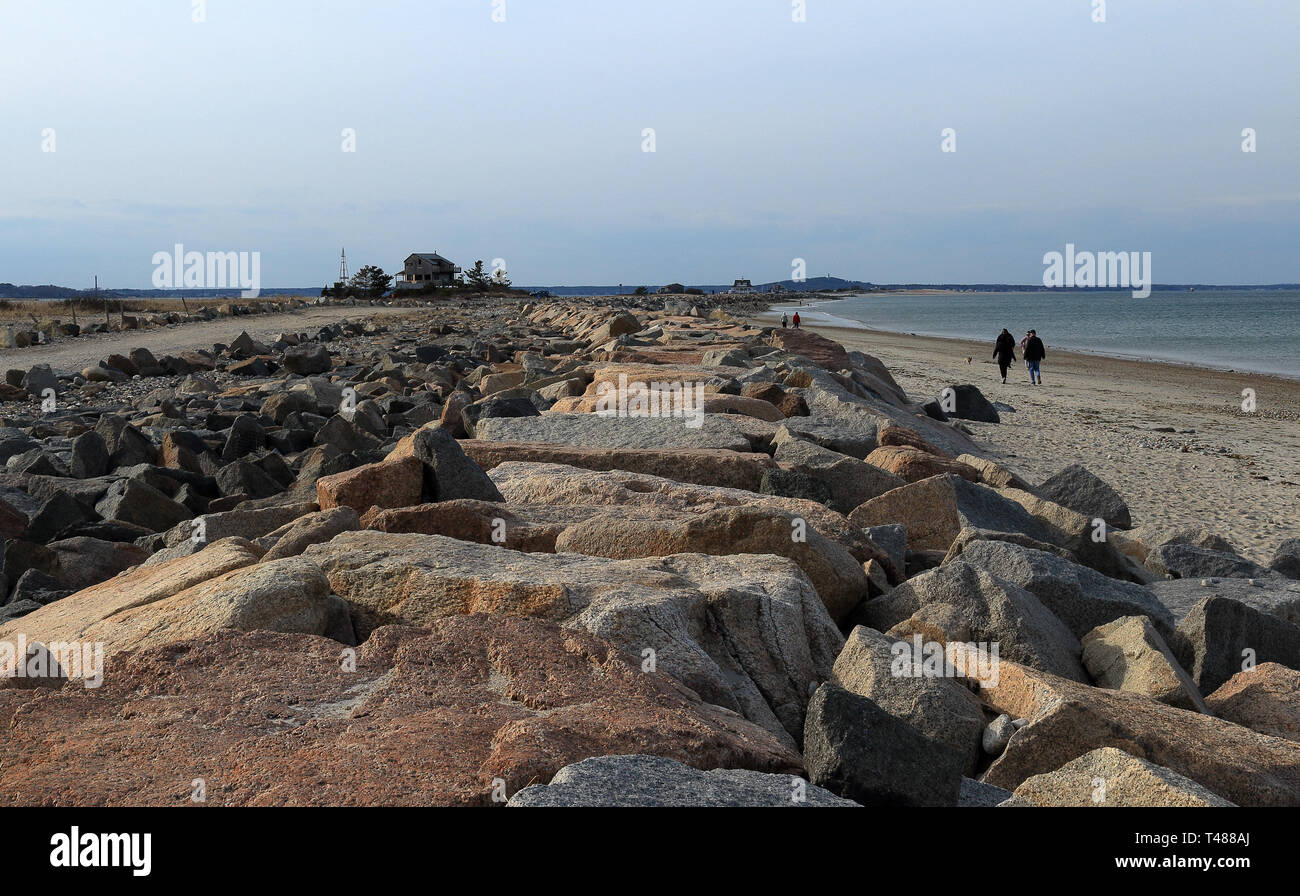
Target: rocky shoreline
pixel 593 553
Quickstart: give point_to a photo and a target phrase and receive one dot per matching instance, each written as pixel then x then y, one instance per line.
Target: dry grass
pixel 15 311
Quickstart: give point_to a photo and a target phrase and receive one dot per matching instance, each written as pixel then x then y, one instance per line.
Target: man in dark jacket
pixel 1034 354
pixel 1005 351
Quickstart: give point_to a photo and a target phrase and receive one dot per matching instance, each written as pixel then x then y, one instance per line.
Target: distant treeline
pixel 10 291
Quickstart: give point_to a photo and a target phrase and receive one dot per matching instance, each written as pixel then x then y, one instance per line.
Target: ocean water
pixel 1248 330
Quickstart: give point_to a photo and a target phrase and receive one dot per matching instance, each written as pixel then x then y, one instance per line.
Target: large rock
pixel 858 750
pixel 825 353
pixel 1067 720
pixel 1083 536
pixel 912 464
pixel 935 510
pixel 1221 637
pixel 837 576
pixel 852 482
pixel 132 501
pixel 1081 597
pixel 1110 777
pixel 968 402
pixel 619 324
pixel 392 483
pixel 655 781
pixel 594 431
pixel 84 561
pixel 746 632
pixel 293 538
pixel 187 597
pixel 1286 559
pixel 1153 535
pixel 993 474
pixel 90 456
pixel 963 603
pixel 1275 595
pixel 449 473
pixel 1265 698
pixel 529 529
pixel 554 485
pixel 841 436
pixel 703 466
pixel 1185 561
pixel 1130 655
pixel 1081 490
pixel 897 680
pixel 243 522
pixel 308 359
pixel 475 708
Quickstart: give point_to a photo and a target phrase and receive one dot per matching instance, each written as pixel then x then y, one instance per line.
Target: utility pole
pixel 107 322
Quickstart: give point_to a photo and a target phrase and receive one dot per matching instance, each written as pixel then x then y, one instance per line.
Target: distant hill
pixel 812 284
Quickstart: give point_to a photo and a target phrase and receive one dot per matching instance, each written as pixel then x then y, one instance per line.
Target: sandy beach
pixel 1236 472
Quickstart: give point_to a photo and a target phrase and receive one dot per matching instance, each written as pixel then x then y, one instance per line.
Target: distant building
pixel 427 269
pixel 742 286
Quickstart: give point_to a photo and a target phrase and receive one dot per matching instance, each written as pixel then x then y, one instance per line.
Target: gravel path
pixel 85 351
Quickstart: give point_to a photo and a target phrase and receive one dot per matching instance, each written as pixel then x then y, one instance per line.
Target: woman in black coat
pixel 1005 351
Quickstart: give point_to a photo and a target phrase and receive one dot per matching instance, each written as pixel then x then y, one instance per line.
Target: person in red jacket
pixel 796 320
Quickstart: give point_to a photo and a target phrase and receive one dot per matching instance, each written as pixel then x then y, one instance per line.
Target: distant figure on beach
pixel 1034 354
pixel 1004 350
pixel 785 321
pixel 796 320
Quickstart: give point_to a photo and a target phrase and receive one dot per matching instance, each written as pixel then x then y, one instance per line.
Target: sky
pixel 516 130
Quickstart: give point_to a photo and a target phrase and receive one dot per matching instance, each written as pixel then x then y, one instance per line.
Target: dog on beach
pixel 968 360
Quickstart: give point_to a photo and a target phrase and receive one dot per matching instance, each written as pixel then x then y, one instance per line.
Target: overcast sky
pixel 773 139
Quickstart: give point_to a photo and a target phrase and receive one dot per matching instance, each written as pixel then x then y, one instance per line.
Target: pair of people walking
pixel 785 320
pixel 1031 349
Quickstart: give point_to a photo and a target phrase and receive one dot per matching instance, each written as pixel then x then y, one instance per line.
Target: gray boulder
pixel 852 482
pixel 1286 559
pixel 90 457
pixel 962 602
pixel 1185 561
pixel 595 431
pixel 977 794
pixel 1079 489
pixel 1221 637
pixel 308 359
pixel 131 501
pixel 856 749
pixel 1080 597
pixel 887 671
pixel 969 403
pixel 449 472
pixel 655 781
pixel 854 439
pixel 1277 596
pixel 892 539
pixel 38 379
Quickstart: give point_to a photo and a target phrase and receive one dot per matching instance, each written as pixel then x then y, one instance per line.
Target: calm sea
pixel 1254 330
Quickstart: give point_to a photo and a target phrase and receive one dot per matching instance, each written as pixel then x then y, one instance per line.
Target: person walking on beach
pixel 1005 351
pixel 785 321
pixel 1034 354
pixel 796 320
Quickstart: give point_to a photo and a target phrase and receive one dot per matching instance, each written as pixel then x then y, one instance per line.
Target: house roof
pixel 431 257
